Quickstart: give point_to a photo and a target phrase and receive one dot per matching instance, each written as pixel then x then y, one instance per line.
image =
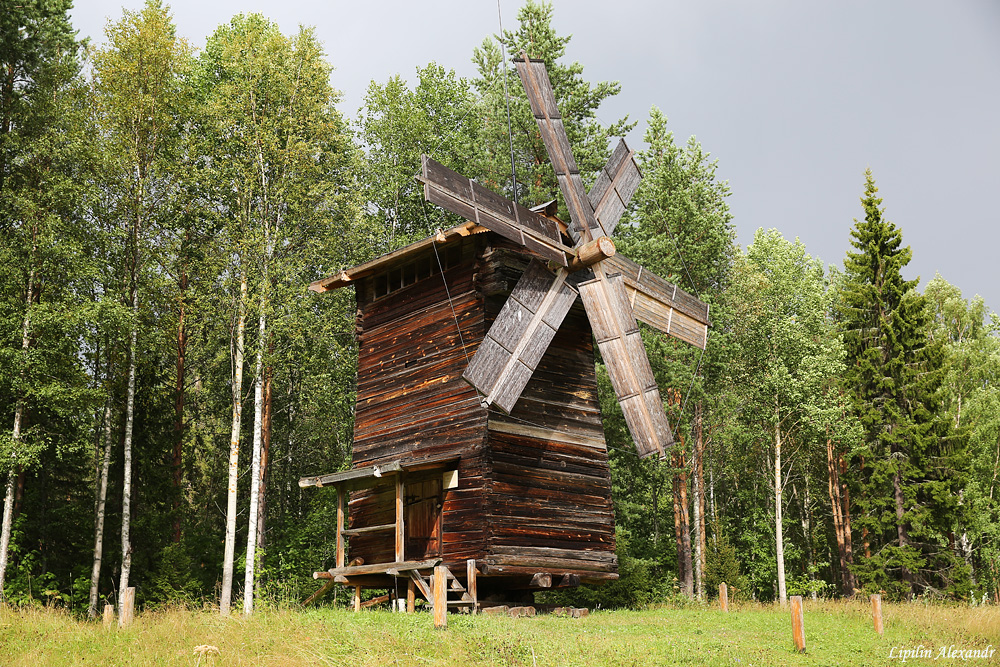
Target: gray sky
pixel 795 99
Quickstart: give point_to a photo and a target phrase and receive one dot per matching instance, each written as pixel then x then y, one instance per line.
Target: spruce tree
pixel 909 466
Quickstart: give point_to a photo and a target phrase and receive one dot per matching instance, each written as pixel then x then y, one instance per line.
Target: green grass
pixel 837 633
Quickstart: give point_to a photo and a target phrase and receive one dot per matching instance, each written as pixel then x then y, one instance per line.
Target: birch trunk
pixel 102 495
pixel 779 545
pixel 234 453
pixel 8 499
pixel 127 468
pixel 258 423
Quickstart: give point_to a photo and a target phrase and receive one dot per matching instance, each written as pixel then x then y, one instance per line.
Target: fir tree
pixel 909 466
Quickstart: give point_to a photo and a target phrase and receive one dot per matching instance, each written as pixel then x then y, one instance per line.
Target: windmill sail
pixel 521 333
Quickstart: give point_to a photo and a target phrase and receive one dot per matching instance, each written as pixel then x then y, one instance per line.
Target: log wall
pixel 534 489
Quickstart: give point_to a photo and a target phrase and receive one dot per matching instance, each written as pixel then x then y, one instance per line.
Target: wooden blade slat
pixel 458 194
pixel 628 366
pixel 661 304
pixel 615 186
pixel 542 100
pixel 520 335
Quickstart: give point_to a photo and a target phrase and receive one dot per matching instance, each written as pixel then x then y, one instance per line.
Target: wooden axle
pixel 591 253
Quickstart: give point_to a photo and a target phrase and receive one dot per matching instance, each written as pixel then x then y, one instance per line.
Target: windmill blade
pixel 625 357
pixel 536 82
pixel 661 304
pixel 521 333
pixel 463 196
pixel 615 186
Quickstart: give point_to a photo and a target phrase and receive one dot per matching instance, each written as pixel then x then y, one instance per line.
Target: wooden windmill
pixel 497 462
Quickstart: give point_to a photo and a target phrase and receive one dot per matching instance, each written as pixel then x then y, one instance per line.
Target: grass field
pixel 837 633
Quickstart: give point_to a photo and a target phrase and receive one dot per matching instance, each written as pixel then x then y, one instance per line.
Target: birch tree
pixel 137 80
pixel 286 158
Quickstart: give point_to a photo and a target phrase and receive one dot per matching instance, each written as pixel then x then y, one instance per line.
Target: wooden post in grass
pixel 798 629
pixel 440 596
pixel 470 584
pixel 109 615
pixel 724 597
pixel 128 608
pixel 411 597
pixel 877 613
pixel 357 598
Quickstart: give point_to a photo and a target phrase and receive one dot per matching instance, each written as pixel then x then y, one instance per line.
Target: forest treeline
pixel 166 377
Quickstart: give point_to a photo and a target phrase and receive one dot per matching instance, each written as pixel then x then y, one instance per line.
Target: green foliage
pixel 914 461
pixel 723 566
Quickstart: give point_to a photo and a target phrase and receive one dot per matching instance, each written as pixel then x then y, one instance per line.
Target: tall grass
pixel 836 633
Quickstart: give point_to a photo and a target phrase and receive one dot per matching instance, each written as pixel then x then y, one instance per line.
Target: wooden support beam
pixel 569 581
pixel 470 583
pixel 357 598
pixel 400 532
pixel 323 590
pixel 877 613
pixel 382 527
pixel 393 569
pixel 798 627
pixel 411 597
pixel 340 528
pixel 440 597
pixel 541 580
pixel 375 601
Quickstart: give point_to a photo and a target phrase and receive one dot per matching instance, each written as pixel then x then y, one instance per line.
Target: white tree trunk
pixel 8 499
pixel 779 543
pixel 234 453
pixel 258 419
pixel 127 471
pixel 698 504
pixel 102 495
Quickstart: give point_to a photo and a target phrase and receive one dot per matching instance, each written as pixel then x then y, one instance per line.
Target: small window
pixel 381 285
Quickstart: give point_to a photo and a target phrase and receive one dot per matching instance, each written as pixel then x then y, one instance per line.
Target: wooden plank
pixel 452 191
pixel 340 528
pixel 660 303
pixel 518 338
pixel 798 627
pixel 381 528
pixel 383 568
pixel 538 88
pixel 470 583
pixel 628 366
pixel 351 276
pixel 615 185
pixel 399 525
pixel 532 431
pixel 440 597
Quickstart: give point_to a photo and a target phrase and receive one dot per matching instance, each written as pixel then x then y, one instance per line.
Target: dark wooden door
pixel 423 519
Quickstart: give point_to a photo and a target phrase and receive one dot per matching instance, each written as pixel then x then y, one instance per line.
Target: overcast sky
pixel 795 99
